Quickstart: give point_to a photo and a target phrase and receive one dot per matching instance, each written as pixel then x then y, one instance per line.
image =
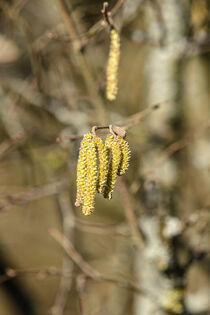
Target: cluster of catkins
pixel 99 164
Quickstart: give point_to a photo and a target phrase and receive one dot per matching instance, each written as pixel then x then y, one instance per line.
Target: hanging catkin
pixel 113 64
pixel 113 147
pixel 82 169
pixel 125 159
pixel 91 179
pixel 103 160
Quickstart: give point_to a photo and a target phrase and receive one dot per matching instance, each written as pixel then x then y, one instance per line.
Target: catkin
pixel 103 160
pixel 82 169
pixel 125 159
pixel 113 64
pixel 113 147
pixel 91 179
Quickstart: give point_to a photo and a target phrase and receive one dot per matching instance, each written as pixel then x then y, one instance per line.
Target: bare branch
pixel 137 235
pixel 178 145
pixel 67 215
pixel 10 144
pixel 32 193
pixel 75 256
pixel 126 123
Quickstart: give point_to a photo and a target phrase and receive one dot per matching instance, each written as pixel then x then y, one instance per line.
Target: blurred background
pixel 147 250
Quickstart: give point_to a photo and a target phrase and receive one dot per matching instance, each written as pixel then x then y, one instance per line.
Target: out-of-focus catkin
pixel 103 160
pixel 113 64
pixel 126 154
pixel 91 180
pixel 113 147
pixel 82 169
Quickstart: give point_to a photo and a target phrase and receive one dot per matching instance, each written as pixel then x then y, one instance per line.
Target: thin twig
pixel 41 274
pixel 42 41
pixel 99 25
pixel 178 145
pixel 137 235
pixel 74 255
pixel 10 144
pixel 126 123
pixel 107 14
pixel 32 193
pixel 113 230
pixel 67 216
pixel 88 270
pixel 136 119
pixel 81 285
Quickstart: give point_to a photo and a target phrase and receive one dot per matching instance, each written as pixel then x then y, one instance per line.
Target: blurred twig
pixel 128 122
pixel 137 235
pixel 74 255
pixel 113 230
pixel 67 216
pixel 96 28
pixel 10 144
pixel 41 274
pixel 136 119
pixel 178 145
pixel 88 270
pixel 32 193
pixel 80 285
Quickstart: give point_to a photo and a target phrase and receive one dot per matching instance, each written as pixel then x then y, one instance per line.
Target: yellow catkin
pixel 103 160
pixel 113 64
pixel 91 179
pixel 82 169
pixel 112 146
pixel 173 302
pixel 126 154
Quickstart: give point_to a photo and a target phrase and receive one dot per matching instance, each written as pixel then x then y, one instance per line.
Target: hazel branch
pixel 88 270
pixel 74 255
pixel 124 124
pixel 138 237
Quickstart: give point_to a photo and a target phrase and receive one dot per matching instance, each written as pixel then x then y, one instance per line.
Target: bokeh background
pixel 150 243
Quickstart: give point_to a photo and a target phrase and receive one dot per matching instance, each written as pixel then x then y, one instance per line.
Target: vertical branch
pixel 67 215
pixel 137 236
pixel 80 285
